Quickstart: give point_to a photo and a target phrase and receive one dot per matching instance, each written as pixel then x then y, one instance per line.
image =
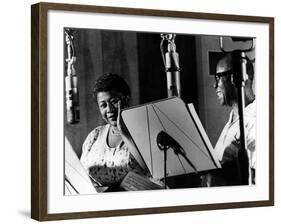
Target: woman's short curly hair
pixel 111 82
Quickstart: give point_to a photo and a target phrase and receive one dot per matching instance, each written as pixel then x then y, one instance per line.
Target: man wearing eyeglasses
pixel 228 144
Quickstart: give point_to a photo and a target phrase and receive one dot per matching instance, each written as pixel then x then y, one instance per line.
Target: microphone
pixel 244 49
pixel 165 141
pixel 172 67
pixel 241 39
pixel 71 83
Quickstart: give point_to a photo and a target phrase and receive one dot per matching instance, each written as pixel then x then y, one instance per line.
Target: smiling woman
pixel 109 90
pixel 105 153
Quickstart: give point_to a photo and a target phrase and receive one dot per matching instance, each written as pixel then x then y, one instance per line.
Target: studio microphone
pixel 165 142
pixel 172 68
pixel 71 83
pixel 241 39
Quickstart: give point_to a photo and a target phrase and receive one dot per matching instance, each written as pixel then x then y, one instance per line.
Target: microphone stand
pixel 162 143
pixel 239 70
pixel 239 62
pixel 165 142
pixel 172 69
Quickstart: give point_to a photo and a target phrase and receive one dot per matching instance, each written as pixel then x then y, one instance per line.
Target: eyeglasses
pixel 222 74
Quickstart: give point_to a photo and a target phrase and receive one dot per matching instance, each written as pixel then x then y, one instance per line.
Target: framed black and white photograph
pixel 134 104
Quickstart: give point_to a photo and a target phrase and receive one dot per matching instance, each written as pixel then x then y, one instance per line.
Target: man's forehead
pixel 224 64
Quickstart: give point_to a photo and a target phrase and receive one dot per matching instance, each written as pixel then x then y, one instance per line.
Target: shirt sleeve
pixel 251 135
pixel 251 142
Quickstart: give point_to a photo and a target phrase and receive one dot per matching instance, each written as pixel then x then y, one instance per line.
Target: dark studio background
pixel 137 58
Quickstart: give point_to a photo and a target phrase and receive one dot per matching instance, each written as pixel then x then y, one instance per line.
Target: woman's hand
pixel 206 180
pixel 120 123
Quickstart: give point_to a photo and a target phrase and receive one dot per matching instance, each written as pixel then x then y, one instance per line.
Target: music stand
pixel 181 123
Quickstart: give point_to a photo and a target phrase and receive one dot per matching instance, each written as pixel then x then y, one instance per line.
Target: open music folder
pixel 182 124
pixel 76 180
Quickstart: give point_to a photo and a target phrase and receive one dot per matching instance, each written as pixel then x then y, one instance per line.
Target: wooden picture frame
pixel 40 109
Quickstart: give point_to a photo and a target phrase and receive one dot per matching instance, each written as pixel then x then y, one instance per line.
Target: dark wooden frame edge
pixel 39 110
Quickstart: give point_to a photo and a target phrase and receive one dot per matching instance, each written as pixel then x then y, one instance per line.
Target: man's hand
pixel 239 159
pixel 231 152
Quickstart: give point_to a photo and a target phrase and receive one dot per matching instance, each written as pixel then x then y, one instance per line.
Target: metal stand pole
pixel 165 168
pixel 172 68
pixel 239 63
pixel 239 70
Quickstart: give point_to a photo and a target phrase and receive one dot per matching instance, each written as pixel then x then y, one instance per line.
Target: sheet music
pixel 136 182
pixel 76 179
